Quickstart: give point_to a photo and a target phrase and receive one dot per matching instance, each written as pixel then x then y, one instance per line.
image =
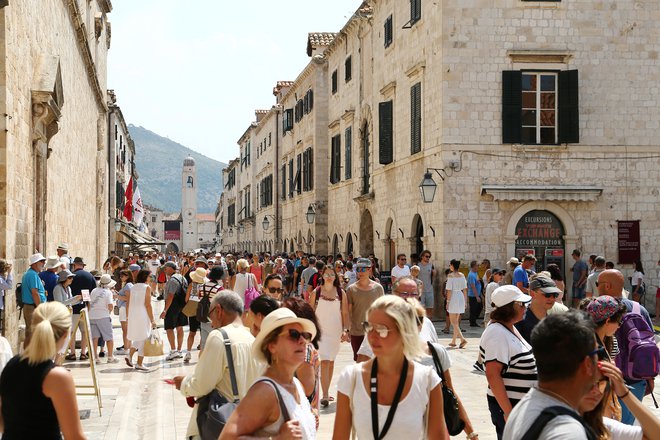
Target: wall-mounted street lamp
pixel 266 223
pixel 117 225
pixel 241 228
pixel 428 186
pixel 311 211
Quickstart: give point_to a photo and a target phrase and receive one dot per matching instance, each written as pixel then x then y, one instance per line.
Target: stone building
pixel 189 240
pixel 530 122
pixel 53 142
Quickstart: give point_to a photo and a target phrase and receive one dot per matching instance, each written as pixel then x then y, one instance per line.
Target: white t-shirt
pixel 408 422
pixel 398 272
pixel 445 360
pixel 637 278
pixel 426 334
pixel 100 298
pixel 530 407
pixel 621 431
pixel 153 266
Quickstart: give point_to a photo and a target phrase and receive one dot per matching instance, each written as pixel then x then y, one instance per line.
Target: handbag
pixel 190 309
pixel 214 409
pixel 116 310
pixel 450 403
pixel 153 346
pixel 250 293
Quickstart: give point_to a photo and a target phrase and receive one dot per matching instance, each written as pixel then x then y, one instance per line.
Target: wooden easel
pixel 90 349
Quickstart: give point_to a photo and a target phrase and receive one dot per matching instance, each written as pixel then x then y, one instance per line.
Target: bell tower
pixel 189 205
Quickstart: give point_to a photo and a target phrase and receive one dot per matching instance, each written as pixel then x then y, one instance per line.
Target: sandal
pixel 128 362
pixel 452 344
pixel 463 344
pixel 70 357
pixel 83 357
pixel 331 399
pixel 324 403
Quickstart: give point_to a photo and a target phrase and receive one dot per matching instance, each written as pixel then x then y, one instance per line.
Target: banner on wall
pixel 628 241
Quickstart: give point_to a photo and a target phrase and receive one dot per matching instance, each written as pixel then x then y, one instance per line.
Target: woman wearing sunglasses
pixel 332 312
pixel 276 405
pixel 390 396
pixel 594 406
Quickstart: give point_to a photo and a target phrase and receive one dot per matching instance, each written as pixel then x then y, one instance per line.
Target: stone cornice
pixel 578 193
pixel 416 70
pixel 540 56
pixel 388 89
pixel 83 45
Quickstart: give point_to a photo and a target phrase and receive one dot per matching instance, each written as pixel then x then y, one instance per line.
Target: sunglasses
pixel 550 294
pixel 275 290
pixel 361 269
pixel 382 330
pixel 295 335
pixel 600 352
pixel 329 275
pixel 403 259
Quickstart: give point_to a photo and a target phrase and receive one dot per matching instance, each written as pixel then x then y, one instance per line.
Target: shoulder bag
pixel 190 309
pixel 450 403
pixel 251 293
pixel 214 409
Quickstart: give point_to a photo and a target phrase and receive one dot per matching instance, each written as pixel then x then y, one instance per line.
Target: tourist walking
pixel 209 289
pixel 33 291
pixel 100 321
pixel 175 299
pixel 197 278
pixel 637 282
pixel 257 270
pixel 38 398
pixel 243 279
pixel 390 396
pixel 360 296
pixel 328 301
pixel 282 345
pixel 474 293
pixel 496 276
pixel 456 301
pixel 427 275
pixel 140 318
pixel 126 278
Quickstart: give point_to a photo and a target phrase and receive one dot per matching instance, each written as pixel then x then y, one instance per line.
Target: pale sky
pixel 195 71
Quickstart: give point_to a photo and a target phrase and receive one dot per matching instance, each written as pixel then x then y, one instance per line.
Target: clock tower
pixel 189 239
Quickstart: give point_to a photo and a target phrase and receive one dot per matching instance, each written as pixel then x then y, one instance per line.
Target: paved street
pixel 141 406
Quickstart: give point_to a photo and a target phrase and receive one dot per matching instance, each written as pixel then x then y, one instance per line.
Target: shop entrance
pixel 541 233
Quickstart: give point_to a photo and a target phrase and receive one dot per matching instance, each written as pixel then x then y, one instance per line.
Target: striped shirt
pixel 507 347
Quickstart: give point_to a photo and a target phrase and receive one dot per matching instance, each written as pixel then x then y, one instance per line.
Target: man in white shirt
pixel 400 270
pixel 566 355
pixel 212 369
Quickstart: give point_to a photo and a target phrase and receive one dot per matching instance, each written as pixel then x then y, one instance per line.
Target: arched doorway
pixel 349 243
pixel 417 233
pixel 366 234
pixel 335 245
pixel 541 233
pixel 286 245
pixel 172 247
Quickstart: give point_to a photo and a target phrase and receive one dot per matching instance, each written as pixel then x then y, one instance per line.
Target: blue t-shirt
pixel 578 268
pixel 31 281
pixel 121 295
pixel 50 281
pixel 520 274
pixel 473 285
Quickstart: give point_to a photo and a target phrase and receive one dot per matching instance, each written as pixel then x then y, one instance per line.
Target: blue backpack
pixel 639 356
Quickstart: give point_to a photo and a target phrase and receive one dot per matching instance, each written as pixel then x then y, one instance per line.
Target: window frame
pixel 388 31
pixel 416 118
pixel 348 153
pixel 334 82
pixel 348 69
pixel 538 106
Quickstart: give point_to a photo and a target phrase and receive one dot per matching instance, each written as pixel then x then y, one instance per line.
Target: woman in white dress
pixel 332 313
pixel 456 301
pixel 243 279
pixel 140 318
pixel 389 396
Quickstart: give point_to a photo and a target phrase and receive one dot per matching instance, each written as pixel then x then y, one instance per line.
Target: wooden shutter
pixel 335 159
pixel 415 10
pixel 416 118
pixel 290 178
pixel 388 31
pixel 283 183
pixel 310 166
pixel 348 69
pixel 385 138
pixel 334 82
pixel 348 145
pixel 569 112
pixel 298 181
pixel 511 106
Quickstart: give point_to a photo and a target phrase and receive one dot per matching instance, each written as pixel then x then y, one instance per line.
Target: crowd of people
pixel 271 329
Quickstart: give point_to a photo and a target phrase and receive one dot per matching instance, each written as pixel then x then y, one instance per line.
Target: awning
pixel 137 240
pixel 577 193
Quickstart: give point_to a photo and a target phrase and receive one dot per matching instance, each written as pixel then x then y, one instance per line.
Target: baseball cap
pixel 497 270
pixel 363 262
pixel 507 294
pixel 171 264
pixel 513 260
pixel 133 267
pixel 544 284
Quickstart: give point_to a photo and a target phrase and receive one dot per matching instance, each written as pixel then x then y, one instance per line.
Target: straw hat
pixel 275 319
pixel 199 275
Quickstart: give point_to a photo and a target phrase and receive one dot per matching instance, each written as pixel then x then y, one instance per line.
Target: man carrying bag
pixel 213 371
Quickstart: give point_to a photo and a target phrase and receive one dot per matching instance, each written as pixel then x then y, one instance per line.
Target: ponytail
pixel 50 322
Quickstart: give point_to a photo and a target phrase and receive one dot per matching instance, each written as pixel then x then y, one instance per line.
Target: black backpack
pixel 19 295
pixel 534 431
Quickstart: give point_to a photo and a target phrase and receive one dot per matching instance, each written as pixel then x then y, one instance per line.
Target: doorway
pixel 541 233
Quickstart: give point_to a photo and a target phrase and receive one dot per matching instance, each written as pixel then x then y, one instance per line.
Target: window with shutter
pixel 388 31
pixel 283 183
pixel 348 145
pixel 415 11
pixel 291 178
pixel 385 135
pixel 348 69
pixel 511 106
pixel 416 118
pixel 305 104
pixel 335 159
pixel 287 120
pixel 311 99
pixel 304 171
pixel 298 181
pixel 334 82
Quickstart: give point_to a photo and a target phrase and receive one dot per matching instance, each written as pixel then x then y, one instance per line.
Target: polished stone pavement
pixel 139 405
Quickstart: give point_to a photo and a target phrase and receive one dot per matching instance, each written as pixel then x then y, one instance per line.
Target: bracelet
pixel 625 395
pixel 473 434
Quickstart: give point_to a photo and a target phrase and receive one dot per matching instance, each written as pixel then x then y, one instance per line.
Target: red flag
pixel 128 204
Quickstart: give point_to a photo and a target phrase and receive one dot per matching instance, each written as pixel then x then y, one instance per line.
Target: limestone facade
pixel 520 107
pixel 53 142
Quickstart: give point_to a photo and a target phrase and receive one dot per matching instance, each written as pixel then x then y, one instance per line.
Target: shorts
pixel 101 328
pixel 579 292
pixel 76 323
pixel 427 300
pixel 122 314
pixel 174 318
pixel 193 324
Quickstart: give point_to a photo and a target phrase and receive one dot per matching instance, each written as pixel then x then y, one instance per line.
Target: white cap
pixel 507 294
pixel 36 257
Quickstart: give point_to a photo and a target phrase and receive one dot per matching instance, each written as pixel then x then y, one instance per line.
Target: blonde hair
pixel 50 322
pixel 419 308
pixel 404 315
pixel 242 264
pixel 415 268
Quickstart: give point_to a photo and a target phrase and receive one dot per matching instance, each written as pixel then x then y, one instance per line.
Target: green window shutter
pixel 511 106
pixel 385 135
pixel 416 118
pixel 569 112
pixel 348 145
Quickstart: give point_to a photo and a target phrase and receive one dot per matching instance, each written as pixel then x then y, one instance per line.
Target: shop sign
pixel 172 235
pixel 628 239
pixel 554 252
pixel 539 229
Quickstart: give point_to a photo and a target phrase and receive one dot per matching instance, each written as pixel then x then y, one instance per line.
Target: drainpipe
pixel 276 163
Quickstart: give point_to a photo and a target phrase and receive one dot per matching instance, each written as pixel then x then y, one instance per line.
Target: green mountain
pixel 159 162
